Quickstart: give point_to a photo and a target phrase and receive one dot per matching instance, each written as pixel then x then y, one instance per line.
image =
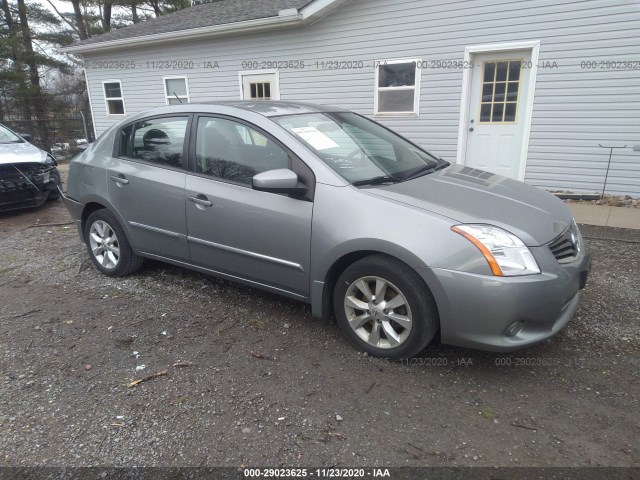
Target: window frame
pixel 167 95
pixel 416 88
pixel 185 147
pixel 275 87
pixel 295 163
pixel 121 98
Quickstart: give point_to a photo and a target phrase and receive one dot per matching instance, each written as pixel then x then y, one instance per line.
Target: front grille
pixel 22 176
pixel 566 247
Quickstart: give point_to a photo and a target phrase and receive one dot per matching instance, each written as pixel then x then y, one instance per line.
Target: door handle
pixel 119 179
pixel 471 129
pixel 200 201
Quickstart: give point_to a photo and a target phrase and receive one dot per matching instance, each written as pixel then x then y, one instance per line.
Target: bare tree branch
pixel 65 19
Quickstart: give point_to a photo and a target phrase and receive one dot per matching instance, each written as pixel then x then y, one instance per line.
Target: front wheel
pixel 108 246
pixel 384 308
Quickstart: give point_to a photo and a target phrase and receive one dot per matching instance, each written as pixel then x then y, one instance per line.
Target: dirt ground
pixel 252 379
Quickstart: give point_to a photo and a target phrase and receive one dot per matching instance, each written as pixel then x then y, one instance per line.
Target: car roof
pixel 266 108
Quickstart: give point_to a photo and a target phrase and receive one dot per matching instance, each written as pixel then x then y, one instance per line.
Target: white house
pixel 535 89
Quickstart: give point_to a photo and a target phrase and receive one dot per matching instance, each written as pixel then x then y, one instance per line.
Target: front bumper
pixel 477 311
pixel 26 190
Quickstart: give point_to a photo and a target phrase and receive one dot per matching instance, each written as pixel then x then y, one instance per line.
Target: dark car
pixel 28 175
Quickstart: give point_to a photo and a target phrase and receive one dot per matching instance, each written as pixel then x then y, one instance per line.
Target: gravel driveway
pixel 236 376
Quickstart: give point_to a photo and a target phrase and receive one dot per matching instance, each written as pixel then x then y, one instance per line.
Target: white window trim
pixel 275 88
pixel 121 97
pixel 168 95
pixel 415 88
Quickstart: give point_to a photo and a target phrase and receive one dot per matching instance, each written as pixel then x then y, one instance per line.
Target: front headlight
pixel 506 254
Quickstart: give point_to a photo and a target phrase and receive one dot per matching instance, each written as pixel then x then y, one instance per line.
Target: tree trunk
pixel 38 100
pixel 23 90
pixel 134 14
pixel 106 15
pixel 155 4
pixel 77 13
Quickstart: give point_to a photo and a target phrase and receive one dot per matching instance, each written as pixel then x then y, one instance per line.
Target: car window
pixel 233 151
pixel 7 136
pixel 356 147
pixel 158 140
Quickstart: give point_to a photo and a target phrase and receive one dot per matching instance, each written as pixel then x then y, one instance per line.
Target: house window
pixel 397 87
pixel 113 97
pixel 176 90
pixel 260 90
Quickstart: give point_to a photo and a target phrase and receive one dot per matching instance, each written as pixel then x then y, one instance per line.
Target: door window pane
pixel 498 95
pixel 514 71
pixel 501 71
pixel 500 87
pixel 233 151
pixel 498 110
pixel 160 141
pixel 485 112
pixel 489 72
pixel 510 112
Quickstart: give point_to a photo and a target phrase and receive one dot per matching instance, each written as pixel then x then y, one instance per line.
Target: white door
pixel 260 86
pixel 497 112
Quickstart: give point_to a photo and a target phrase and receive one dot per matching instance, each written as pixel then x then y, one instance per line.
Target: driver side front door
pixel 261 237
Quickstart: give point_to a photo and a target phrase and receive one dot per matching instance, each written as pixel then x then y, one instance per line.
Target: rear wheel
pixel 384 308
pixel 108 246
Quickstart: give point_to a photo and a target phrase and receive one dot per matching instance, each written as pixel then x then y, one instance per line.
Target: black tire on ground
pixel 425 321
pixel 128 261
pixel 53 195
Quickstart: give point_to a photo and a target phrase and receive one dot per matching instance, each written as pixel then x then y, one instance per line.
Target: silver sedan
pixel 328 207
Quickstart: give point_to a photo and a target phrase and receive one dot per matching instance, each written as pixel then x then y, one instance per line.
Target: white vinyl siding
pixel 574 109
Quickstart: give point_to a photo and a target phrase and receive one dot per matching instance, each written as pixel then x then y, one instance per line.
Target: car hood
pixel 20 153
pixel 468 195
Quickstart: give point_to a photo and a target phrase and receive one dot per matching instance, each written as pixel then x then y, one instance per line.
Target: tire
pixel 397 327
pixel 53 196
pixel 113 257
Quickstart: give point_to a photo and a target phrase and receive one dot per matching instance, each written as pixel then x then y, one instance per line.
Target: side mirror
pixel 281 180
pixel 27 136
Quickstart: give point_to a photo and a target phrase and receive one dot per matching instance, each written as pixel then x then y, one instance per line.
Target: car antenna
pixel 176 95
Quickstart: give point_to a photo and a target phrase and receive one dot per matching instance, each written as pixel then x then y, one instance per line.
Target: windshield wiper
pixel 426 169
pixel 376 180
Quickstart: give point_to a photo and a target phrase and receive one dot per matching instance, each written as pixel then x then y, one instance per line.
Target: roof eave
pixel 286 18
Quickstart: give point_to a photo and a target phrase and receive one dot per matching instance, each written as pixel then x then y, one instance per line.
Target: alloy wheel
pixel 104 244
pixel 378 312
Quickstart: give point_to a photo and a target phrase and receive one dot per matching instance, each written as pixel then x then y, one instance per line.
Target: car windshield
pixel 7 136
pixel 360 150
